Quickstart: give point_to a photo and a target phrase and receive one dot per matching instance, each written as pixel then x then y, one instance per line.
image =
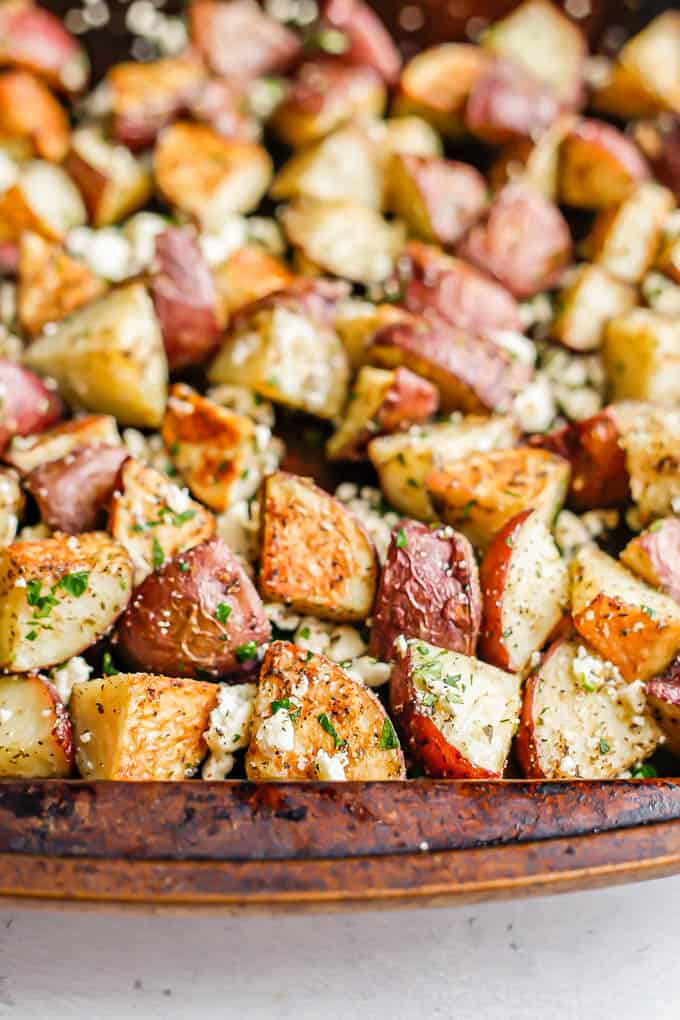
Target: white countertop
pixel 606 954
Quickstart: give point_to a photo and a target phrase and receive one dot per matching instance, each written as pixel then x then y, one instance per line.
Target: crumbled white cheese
pixel 150 449
pixel 534 407
pixel 330 767
pixel 230 727
pixel 239 526
pixel 369 671
pixel 243 401
pixel 276 735
pixel 343 645
pixel 141 231
pixel 9 171
pixel 75 671
pixel 267 233
pixel 220 240
pixel 5 714
pixel 367 505
pixel 107 252
pixel 281 616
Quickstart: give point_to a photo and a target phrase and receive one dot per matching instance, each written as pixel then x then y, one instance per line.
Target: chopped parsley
pixel 388 738
pixel 183 567
pixel 246 652
pixel 401 540
pixel 76 583
pixel 223 612
pixel 108 665
pixel 285 704
pixel 644 771
pixel 656 526
pixel 604 746
pixel 328 726
pixel 157 554
pixel 304 632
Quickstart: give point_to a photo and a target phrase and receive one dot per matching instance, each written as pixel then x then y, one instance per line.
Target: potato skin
pixel 36 40
pixel 240 41
pixel 598 166
pixel 172 624
pixel 51 283
pixel 28 110
pixel 525 744
pixel 654 555
pixel 28 406
pixel 370 44
pixel 439 199
pixel 493 573
pixel 73 493
pixel 429 588
pixel 663 696
pixel 660 143
pixel 507 103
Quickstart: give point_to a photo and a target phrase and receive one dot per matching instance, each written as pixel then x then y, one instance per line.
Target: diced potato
pixel 45 200
pixel 112 181
pixel 480 494
pixel 438 199
pixel 108 357
pixel 287 357
pixel 651 441
pixel 357 321
pixel 410 134
pixel 209 176
pixel 248 274
pixel 31 115
pixel 625 238
pixel 508 103
pixel 153 519
pixel 642 357
pixel 586 303
pixel 405 460
pixel 436 83
pixel 345 238
pixel 29 452
pixel 240 40
pixel 51 283
pixel 598 166
pixel 645 79
pixel 663 700
pixel 316 556
pixel 36 40
pixel 668 259
pixel 35 730
pixel 59 596
pixel 654 555
pixel 222 456
pixel 533 162
pixel 137 726
pixel 12 502
pixel 28 404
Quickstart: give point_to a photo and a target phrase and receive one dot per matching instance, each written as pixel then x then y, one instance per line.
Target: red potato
pixel 238 40
pixel 429 589
pixel 316 299
pixel 368 41
pixel 27 405
pixel 438 199
pixel 51 283
pixel 35 730
pixel 457 715
pixel 185 300
pixel 9 258
pixel 112 181
pixel 654 555
pixel 29 111
pixel 74 492
pixel 250 273
pixel 35 40
pixel 26 454
pixel 660 142
pixel 436 83
pixel 663 699
pixel 524 242
pixel 535 162
pixel 598 166
pixel 199 614
pixel 219 104
pixel 525 588
pixel 43 200
pixel 507 103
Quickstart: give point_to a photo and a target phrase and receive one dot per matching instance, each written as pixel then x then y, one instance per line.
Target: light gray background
pixel 608 954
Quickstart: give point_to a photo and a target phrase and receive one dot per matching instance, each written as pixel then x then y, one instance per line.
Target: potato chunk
pixel 112 181
pixel 35 730
pixel 30 115
pixel 625 238
pixel 59 596
pixel 438 199
pixel 73 493
pixel 316 556
pixel 312 721
pixel 598 166
pixel 663 699
pixel 654 555
pixel 137 726
pixel 436 84
pixel 645 78
pixel 627 622
pixel 108 357
pixel 586 303
pixel 28 405
pixel 51 283
pixel 248 274
pixel 650 439
pixel 30 452
pixel 642 357
pixel 44 200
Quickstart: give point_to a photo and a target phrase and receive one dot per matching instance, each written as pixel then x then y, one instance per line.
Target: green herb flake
pixel 643 771
pixel 108 665
pixel 157 554
pixel 656 526
pixel 401 540
pixel 223 612
pixel 510 541
pixel 76 583
pixel 32 635
pixel 304 633
pixel 388 738
pixel 246 652
pixel 183 567
pixel 328 726
pixel 604 746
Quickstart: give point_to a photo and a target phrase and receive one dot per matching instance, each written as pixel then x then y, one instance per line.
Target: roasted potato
pixel 45 200
pixel 524 242
pixel 27 454
pixel 539 37
pixel 357 321
pixel 27 405
pixel 663 701
pixel 381 402
pixel 598 166
pixel 625 239
pixel 429 589
pixel 221 455
pixel 239 40
pixel 51 283
pixel 579 720
pixel 74 492
pixel 12 502
pixel 642 357
pixel 35 730
pixel 586 303
pixel 368 42
pixel 108 357
pixel 525 591
pixel 312 721
pixel 153 519
pixel 457 715
pixel 248 274
pixel 650 438
pixel 654 555
pixel 668 259
pixel 59 595
pixel 30 114
pixel 660 142
pixel 198 616
pixel 630 624
pixel 436 85
pixel 112 181
pixel 405 460
pixel 336 578
pixel 438 199
pixel 209 176
pixel 137 726
pixel 479 495
pixel 185 300
pixel 507 103
pixel 534 162
pixel 35 40
pixel 323 95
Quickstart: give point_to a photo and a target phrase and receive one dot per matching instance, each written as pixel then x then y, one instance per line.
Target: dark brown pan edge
pixel 241 821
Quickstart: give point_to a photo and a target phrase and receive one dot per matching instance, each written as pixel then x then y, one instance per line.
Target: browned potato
pixel 507 102
pixel 51 283
pixel 654 555
pixel 154 519
pixel 630 624
pixel 112 182
pixel 59 442
pixel 30 115
pixel 209 176
pixel 45 200
pixel 436 84
pixel 438 199
pixel 335 578
pixel 59 595
pixel 368 41
pixel 27 405
pixel 660 142
pixel 524 242
pixel 586 303
pixel 37 41
pixel 480 494
pixel 579 721
pixel 650 439
pixel 12 503
pixel 457 715
pixel 642 357
pixel 663 700
pixel 137 726
pixel 312 721
pixel 35 730
pixel 198 615
pixel 248 274
pixel 598 166
pixel 533 162
pixel 74 492
pixel 625 239
pixel 239 40
pixel 668 259
pixel 429 589
pixel 221 455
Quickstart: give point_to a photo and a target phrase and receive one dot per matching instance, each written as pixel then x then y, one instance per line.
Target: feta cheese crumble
pixel 230 727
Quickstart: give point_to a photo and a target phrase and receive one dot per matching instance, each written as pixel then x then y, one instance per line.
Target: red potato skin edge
pixel 493 573
pixel 61 731
pixel 525 744
pixel 23 393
